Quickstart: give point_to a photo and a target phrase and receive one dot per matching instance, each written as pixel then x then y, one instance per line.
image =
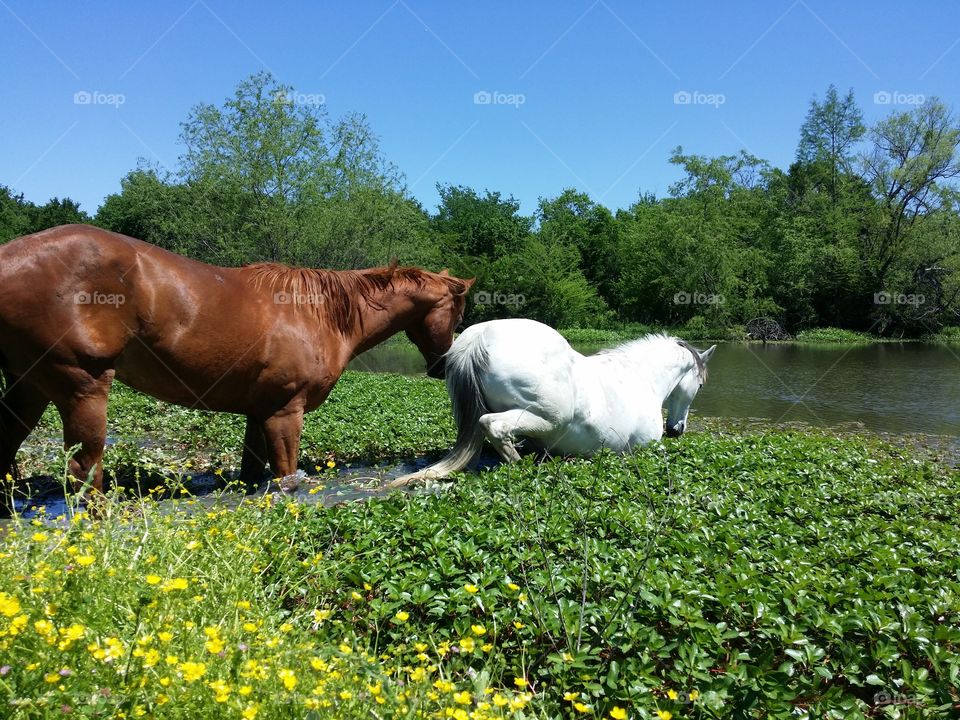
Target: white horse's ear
pixel 708 353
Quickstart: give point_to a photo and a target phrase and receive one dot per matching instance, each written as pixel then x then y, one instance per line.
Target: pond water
pixel 885 387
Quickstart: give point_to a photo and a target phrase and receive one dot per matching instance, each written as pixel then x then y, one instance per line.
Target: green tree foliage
pixel 573 219
pixel 268 177
pixel 828 137
pixel 861 232
pixel 909 168
pixel 702 255
pixel 19 217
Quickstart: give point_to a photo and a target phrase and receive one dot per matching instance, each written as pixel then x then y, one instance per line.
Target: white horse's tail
pixel 465 362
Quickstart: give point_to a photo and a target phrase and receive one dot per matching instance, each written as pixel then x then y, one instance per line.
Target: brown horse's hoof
pixel 96 504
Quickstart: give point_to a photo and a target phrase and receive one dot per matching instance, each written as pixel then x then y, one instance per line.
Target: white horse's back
pixel 524 357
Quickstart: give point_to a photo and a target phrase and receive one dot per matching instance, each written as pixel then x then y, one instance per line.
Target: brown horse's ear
pixel 467 284
pixel 444 272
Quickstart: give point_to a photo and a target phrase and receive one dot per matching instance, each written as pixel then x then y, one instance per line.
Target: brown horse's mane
pixel 334 295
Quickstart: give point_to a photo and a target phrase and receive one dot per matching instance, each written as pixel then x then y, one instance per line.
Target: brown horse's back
pixel 169 326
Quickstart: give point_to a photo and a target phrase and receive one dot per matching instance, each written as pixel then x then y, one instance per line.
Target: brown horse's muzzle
pixel 437 368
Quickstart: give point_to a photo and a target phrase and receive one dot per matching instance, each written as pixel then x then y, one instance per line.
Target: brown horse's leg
pixel 283 441
pixel 254 458
pixel 20 409
pixel 84 415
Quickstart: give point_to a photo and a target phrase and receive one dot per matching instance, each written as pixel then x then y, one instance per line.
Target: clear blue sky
pixel 598 81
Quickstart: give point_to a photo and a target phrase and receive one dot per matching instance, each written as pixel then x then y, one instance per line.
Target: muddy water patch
pixel 348 483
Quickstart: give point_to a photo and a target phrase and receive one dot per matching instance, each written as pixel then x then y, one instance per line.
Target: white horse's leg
pixel 503 428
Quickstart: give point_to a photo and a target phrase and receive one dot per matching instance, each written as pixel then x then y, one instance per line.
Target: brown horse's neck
pixel 388 312
pixel 361 307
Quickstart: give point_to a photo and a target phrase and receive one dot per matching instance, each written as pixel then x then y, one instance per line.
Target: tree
pixel 266 177
pixel 21 217
pixel 828 136
pixel 276 157
pixel 574 219
pixel 14 220
pixel 910 167
pixel 479 227
pixel 912 247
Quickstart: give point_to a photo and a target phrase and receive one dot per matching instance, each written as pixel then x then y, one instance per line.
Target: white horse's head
pixel 681 397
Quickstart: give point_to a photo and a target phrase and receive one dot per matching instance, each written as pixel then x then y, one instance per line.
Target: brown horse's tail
pixel 465 363
pixel 4 430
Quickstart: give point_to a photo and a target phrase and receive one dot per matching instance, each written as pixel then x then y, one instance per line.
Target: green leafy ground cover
pixel 784 574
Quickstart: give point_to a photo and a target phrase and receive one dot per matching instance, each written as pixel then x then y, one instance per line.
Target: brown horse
pixel 80 307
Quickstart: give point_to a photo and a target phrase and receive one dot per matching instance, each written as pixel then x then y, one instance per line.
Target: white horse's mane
pixel 640 344
pixel 642 347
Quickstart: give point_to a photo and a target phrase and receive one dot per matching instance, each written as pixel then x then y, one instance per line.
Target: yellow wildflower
pixel 221 690
pixel 192 670
pixel 74 631
pixel 9 605
pixel 175 584
pixel 288 678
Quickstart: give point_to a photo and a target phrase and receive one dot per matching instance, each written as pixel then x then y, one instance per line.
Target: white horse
pixel 520 378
